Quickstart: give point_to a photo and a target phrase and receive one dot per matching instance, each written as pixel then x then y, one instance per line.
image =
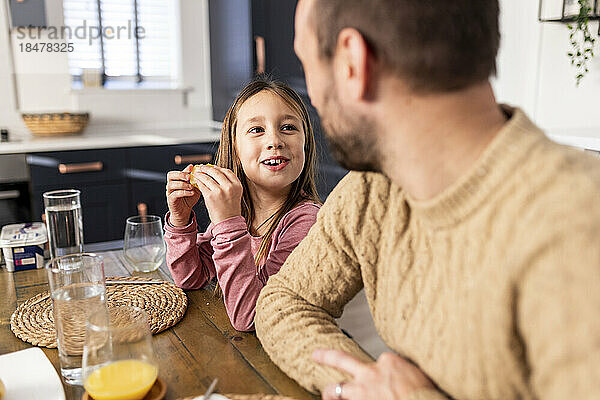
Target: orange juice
pixel 121 380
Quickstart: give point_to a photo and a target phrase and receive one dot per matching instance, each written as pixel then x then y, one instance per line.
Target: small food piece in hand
pixel 195 171
pixel 2 390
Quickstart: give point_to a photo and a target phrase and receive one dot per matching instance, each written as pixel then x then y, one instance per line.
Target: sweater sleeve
pixel 557 312
pixel 234 261
pixel 189 254
pixel 296 310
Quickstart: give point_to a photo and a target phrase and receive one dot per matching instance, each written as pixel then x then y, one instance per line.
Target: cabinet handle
pixel 142 209
pixel 82 167
pixel 193 159
pixel 261 62
pixel 9 194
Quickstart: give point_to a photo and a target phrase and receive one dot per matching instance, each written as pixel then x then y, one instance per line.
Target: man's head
pixel 349 48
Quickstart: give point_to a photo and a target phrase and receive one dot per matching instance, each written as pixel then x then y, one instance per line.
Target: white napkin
pixel 29 375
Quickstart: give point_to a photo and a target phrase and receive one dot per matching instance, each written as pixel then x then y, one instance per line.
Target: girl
pixel 261 199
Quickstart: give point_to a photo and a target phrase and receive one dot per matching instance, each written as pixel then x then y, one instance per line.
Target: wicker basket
pixel 54 124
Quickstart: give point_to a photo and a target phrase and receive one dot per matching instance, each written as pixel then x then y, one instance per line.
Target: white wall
pixel 535 73
pixel 9 118
pixel 42 78
pixel 561 106
pixel 44 84
pixel 195 42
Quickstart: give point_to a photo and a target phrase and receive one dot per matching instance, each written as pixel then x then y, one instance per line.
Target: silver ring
pixel 338 390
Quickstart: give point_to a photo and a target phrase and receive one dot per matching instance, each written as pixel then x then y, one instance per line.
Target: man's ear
pixel 352 64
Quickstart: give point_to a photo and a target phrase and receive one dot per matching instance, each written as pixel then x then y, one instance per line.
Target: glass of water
pixel 144 246
pixel 77 289
pixel 64 222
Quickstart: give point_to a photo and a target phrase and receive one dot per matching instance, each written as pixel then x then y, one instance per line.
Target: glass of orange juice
pixel 118 357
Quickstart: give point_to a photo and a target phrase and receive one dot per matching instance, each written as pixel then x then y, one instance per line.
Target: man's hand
pixel 390 378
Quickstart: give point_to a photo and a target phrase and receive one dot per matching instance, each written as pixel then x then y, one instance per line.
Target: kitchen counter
pixel 96 139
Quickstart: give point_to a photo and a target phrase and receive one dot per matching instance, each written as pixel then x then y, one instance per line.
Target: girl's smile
pixel 275 163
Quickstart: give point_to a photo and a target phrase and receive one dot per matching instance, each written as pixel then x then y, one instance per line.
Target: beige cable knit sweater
pixel 492 287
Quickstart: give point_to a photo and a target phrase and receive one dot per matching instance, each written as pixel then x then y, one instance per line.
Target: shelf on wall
pixel 567 12
pixel 568 19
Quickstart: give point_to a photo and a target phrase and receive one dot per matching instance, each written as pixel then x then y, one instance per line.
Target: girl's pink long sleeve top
pixel 226 250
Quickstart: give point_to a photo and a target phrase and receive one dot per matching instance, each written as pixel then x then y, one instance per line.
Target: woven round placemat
pixel 165 303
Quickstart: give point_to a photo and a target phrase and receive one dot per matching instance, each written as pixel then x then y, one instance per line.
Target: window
pixel 125 40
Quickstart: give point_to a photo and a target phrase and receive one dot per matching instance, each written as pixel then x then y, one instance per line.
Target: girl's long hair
pixel 303 189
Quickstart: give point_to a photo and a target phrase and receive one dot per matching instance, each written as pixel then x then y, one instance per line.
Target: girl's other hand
pixel 222 192
pixel 181 196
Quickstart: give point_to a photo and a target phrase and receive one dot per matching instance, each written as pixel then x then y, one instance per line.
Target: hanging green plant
pixel 582 42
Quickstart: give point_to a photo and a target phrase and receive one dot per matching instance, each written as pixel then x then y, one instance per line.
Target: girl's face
pixel 269 141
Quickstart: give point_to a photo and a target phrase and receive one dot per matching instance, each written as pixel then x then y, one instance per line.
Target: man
pixel 475 237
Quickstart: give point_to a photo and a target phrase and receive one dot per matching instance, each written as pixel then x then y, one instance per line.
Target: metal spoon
pixel 211 389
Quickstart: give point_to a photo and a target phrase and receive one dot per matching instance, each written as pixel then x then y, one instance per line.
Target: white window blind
pixel 153 56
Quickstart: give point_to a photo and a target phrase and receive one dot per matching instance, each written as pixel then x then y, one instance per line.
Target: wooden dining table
pixel 201 347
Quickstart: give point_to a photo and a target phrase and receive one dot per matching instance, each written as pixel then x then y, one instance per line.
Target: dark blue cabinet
pixel 114 183
pixel 249 36
pixel 147 172
pixel 104 210
pixel 98 174
pixel 67 168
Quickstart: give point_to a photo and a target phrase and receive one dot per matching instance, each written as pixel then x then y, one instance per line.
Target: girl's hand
pixel 181 196
pixel 222 192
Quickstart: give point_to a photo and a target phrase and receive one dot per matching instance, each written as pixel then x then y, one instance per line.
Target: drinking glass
pixel 77 289
pixel 144 246
pixel 118 357
pixel 64 222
